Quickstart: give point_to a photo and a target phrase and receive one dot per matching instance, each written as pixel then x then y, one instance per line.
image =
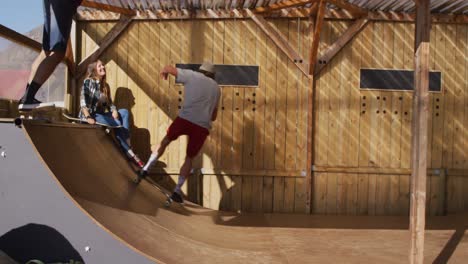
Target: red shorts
pixel 196 135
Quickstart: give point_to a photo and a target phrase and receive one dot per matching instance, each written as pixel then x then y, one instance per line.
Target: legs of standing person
pixel 196 138
pixel 157 152
pixel 58 16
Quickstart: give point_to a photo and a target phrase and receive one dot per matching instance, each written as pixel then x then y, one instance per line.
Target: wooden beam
pixel 113 34
pixel 69 58
pixel 19 38
pixel 330 14
pixel 310 132
pixel 232 172
pixel 353 9
pixel 344 39
pixel 316 38
pixel 111 8
pixel 279 40
pixel 419 132
pixel 281 5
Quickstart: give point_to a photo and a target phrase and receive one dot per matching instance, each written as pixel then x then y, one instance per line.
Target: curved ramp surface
pixel 75 180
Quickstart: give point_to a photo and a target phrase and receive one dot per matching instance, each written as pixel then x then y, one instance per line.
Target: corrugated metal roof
pixel 400 6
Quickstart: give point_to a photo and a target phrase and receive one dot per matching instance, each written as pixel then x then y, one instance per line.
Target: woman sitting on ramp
pixel 96 106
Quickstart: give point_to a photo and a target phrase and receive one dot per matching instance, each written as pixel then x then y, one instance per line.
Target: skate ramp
pixel 73 178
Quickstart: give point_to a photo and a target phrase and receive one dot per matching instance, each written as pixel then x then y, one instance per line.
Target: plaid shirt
pixel 92 99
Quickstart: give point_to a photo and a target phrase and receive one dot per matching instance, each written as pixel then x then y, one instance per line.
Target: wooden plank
pixel 302 124
pixel 106 7
pixel 322 107
pixel 320 193
pixel 306 121
pixel 281 5
pixel 459 130
pixel 336 47
pixel 257 194
pixel 300 196
pixel 419 132
pixel 372 170
pixel 267 203
pixel 354 102
pixel 279 40
pixel 449 98
pixel 289 195
pixel 294 12
pixel 292 92
pixel 278 195
pixel 345 108
pixel 408 56
pixel 365 101
pixel 270 93
pixel 259 106
pixel 249 102
pixel 438 100
pixel 372 197
pixel 316 37
pixel 459 76
pixel 332 183
pixel 280 103
pixel 104 44
pixel 239 47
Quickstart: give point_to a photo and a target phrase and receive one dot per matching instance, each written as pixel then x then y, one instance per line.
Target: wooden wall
pixel 255 156
pixel 371 130
pixel 260 132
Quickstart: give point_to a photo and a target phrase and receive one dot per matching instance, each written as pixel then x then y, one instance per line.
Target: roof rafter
pixel 353 9
pixel 111 8
pixel 281 5
pixel 316 40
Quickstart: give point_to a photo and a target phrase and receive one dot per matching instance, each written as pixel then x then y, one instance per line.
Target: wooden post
pixel 443 192
pixel 316 40
pixel 310 131
pixel 419 132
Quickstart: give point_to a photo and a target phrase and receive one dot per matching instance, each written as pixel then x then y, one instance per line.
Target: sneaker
pixel 138 162
pixel 176 197
pixel 29 105
pixel 141 175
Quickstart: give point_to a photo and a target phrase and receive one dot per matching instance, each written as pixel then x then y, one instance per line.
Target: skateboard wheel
pixel 167 203
pixel 18 121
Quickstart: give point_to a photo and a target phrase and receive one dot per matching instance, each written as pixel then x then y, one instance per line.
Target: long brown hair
pixel 92 74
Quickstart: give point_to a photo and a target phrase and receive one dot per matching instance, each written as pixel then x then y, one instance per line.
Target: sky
pixel 21 15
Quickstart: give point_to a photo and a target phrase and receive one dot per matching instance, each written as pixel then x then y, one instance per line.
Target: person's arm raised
pixel 168 69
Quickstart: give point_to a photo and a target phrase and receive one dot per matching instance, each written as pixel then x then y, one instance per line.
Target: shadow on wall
pixel 140 137
pixel 38 242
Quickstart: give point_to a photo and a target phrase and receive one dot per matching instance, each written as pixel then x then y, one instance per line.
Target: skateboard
pixel 168 201
pixel 85 122
pixel 38 113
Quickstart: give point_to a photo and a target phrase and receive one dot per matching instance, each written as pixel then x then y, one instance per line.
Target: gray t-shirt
pixel 201 96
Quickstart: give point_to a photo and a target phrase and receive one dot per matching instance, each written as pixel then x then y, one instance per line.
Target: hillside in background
pixel 15 65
